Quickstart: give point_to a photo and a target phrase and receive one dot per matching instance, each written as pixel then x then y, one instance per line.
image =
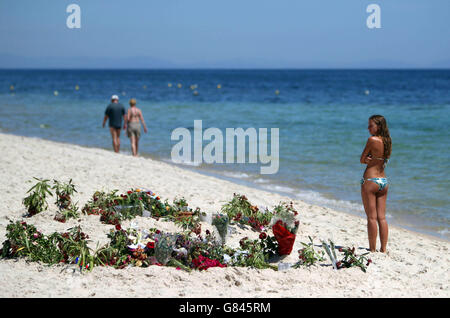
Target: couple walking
pixel 133 118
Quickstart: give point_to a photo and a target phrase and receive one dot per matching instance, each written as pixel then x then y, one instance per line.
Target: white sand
pixel 416 265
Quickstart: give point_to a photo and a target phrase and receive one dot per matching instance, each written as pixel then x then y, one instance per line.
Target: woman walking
pixel 374 184
pixel 134 119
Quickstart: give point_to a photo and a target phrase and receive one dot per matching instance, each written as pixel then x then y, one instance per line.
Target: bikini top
pixel 133 114
pixel 385 161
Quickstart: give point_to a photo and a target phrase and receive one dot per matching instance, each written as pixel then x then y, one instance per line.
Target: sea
pixel 321 115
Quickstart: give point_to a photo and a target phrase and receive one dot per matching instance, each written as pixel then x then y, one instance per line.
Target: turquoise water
pixel 321 114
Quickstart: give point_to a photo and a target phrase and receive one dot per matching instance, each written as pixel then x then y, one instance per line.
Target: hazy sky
pixel 292 33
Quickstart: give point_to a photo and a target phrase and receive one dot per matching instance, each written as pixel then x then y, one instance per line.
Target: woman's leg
pixel 381 217
pixel 133 144
pixel 137 144
pixel 369 200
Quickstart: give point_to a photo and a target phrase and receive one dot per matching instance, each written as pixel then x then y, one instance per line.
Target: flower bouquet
pixel 155 206
pixel 252 253
pixel 307 255
pixel 220 221
pixel 131 203
pixel 100 202
pixel 203 263
pixel 351 259
pixel 35 202
pixel 164 245
pixel 67 213
pixel 240 210
pixel 70 247
pixel 285 226
pixel 64 191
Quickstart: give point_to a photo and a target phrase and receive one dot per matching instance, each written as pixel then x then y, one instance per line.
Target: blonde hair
pixel 132 102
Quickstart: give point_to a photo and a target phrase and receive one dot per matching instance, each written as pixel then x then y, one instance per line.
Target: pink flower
pixel 203 263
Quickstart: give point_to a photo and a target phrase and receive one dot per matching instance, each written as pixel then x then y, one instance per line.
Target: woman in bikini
pixel 374 185
pixel 134 119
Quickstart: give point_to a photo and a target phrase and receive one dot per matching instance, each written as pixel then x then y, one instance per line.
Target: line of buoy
pixel 219 86
pixel 179 85
pixel 55 93
pixel 277 92
pixel 169 85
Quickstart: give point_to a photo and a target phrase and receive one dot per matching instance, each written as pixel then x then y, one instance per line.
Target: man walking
pixel 115 112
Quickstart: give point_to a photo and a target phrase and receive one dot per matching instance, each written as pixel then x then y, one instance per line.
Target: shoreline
pixel 415 265
pixel 427 234
pixel 194 169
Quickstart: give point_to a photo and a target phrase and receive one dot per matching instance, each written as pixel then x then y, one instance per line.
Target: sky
pixel 225 34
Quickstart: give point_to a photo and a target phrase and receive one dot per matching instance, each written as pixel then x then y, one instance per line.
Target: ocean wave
pixel 317 198
pixel 239 175
pixel 277 188
pixel 184 163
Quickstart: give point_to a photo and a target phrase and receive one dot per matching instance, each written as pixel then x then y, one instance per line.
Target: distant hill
pixel 12 61
pixel 8 61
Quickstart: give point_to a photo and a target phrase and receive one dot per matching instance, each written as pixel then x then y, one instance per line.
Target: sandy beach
pixel 415 265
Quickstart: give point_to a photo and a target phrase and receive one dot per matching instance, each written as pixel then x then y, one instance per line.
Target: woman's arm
pixel 142 120
pixel 365 159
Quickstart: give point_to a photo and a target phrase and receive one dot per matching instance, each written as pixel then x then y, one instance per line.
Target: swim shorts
pixel 134 128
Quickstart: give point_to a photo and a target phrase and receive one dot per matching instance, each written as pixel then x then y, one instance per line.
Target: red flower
pixel 284 238
pixel 158 231
pixel 262 236
pixel 150 245
pixel 118 227
pixel 203 263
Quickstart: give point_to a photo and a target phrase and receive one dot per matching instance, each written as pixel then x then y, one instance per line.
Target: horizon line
pixel 220 68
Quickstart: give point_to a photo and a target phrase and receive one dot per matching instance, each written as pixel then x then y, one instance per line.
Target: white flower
pixel 135 246
pixel 226 258
pixel 181 250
